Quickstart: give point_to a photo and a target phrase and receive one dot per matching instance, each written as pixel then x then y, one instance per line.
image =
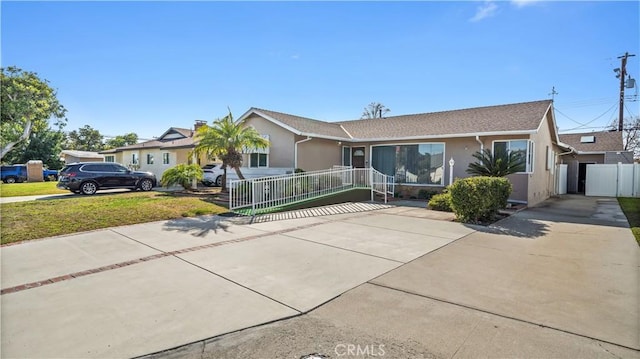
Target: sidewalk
pixel 559 280
pixel 134 290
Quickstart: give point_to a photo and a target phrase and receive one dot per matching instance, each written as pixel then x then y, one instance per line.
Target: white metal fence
pixel 613 180
pixel 264 194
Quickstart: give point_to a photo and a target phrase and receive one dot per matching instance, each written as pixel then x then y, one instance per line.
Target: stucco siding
pixel 542 178
pixel 281 149
pixel 319 154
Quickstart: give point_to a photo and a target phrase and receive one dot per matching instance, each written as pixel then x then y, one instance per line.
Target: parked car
pixel 90 177
pixel 213 175
pixel 18 173
pixel 13 173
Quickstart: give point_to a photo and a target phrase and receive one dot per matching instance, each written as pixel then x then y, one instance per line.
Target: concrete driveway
pixel 556 281
pixel 135 290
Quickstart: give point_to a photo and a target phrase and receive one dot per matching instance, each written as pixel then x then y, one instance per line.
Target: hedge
pixel 478 199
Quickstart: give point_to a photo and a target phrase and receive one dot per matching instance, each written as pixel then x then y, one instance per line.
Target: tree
pixel 85 139
pixel 44 145
pixel 374 110
pixel 226 140
pixel 630 134
pixel 498 164
pixel 27 105
pixel 121 141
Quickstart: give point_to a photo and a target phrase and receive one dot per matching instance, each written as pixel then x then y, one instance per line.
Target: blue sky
pixel 146 66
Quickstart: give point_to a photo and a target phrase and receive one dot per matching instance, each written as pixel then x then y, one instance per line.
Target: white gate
pixel 609 180
pixel 561 177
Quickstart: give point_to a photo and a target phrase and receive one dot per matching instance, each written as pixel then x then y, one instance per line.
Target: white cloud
pixel 484 11
pixel 295 56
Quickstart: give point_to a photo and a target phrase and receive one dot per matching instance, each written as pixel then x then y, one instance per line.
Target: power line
pixel 583 125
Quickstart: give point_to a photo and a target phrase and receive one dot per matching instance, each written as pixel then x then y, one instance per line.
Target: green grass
pixel 631 209
pixel 22 221
pixel 29 189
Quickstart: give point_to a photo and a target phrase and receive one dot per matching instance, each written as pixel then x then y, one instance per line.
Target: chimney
pixel 199 123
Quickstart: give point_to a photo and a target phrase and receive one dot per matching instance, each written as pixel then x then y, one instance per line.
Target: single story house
pixel 71 156
pixel 604 147
pixel 173 147
pixel 418 148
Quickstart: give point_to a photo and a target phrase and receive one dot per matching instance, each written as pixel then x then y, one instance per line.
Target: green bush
pixel 478 199
pixel 441 202
pixel 182 175
pixel 425 193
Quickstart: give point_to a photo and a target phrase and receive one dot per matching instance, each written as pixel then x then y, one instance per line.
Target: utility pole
pixel 622 73
pixel 553 93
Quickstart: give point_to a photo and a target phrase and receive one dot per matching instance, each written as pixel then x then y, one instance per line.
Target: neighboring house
pixel 71 156
pixel 417 149
pixel 173 147
pixel 590 148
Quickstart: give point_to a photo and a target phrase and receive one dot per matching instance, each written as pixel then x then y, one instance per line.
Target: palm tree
pixel 497 164
pixel 374 110
pixel 226 140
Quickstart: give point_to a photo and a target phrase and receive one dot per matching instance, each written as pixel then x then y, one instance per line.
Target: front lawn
pixel 631 209
pixel 29 189
pixel 44 218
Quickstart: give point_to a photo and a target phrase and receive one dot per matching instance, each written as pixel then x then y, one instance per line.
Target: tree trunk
pixel 238 172
pixel 24 136
pixel 223 187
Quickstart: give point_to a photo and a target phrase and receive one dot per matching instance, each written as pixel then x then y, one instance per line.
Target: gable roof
pixel 174 137
pixel 513 118
pixel 519 118
pixel 604 141
pixel 302 125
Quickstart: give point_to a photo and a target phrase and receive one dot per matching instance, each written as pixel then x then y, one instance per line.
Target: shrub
pixel 478 199
pixel 441 202
pixel 182 175
pixel 425 193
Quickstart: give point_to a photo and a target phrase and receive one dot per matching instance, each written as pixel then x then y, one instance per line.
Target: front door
pixel 357 157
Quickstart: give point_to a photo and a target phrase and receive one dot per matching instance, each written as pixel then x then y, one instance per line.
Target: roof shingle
pixel 306 125
pixel 520 117
pixel 604 141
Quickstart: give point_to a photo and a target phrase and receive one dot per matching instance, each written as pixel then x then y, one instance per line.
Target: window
pixel 525 147
pixel 149 159
pixel 258 160
pixel 109 158
pixel 134 158
pixel 165 158
pixel 346 156
pixel 411 164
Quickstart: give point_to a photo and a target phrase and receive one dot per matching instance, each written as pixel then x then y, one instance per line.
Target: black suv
pixel 89 177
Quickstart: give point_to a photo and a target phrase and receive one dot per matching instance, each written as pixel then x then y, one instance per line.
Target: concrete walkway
pixel 555 281
pixel 140 289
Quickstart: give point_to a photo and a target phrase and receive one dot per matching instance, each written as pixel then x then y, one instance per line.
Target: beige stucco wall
pixel 542 181
pixel 281 142
pixel 319 154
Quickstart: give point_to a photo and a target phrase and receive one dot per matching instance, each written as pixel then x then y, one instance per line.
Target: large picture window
pixel 525 147
pixel 411 164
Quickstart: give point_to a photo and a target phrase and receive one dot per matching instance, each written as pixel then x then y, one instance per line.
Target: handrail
pixel 266 193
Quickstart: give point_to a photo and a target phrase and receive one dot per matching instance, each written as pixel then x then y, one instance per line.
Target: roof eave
pixel 450 135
